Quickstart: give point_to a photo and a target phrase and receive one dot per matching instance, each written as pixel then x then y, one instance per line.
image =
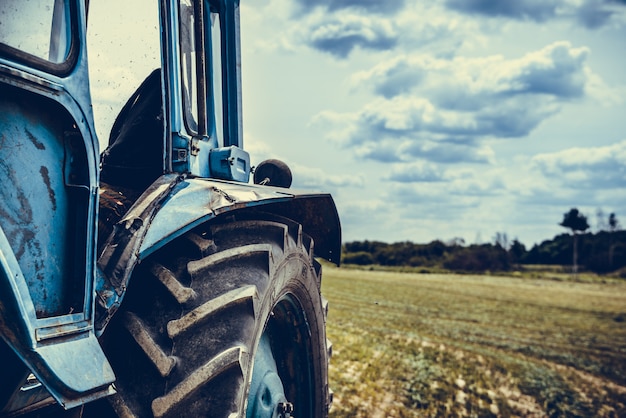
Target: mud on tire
pixel 185 340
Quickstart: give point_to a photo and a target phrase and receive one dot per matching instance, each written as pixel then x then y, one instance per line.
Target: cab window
pixel 189 65
pixel 38 32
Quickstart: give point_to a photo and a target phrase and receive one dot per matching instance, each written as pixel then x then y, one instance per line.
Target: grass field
pixel 407 345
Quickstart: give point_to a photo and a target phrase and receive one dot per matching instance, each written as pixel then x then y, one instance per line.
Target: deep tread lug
pixel 197 267
pixel 185 346
pixel 203 245
pixel 120 407
pixel 229 358
pixel 246 295
pixel 137 329
pixel 165 276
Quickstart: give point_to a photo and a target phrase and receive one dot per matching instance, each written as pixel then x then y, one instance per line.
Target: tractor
pixel 164 276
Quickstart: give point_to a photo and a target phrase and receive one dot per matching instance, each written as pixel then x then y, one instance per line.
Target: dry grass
pixel 410 345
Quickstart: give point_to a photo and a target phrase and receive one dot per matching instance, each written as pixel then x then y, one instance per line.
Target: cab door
pixel 48 201
pixel 203 64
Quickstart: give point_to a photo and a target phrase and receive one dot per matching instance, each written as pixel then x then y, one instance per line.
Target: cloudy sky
pixel 442 118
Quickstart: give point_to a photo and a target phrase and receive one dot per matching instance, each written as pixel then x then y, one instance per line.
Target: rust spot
pixel 46 179
pixel 22 241
pixel 13 197
pixel 35 141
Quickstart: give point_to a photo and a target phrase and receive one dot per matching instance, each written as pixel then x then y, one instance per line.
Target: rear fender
pixel 174 205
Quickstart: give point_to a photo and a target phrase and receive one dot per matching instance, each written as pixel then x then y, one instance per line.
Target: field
pixel 407 345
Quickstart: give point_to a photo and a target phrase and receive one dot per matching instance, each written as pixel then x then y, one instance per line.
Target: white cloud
pixel 439 126
pixel 443 109
pixel 337 33
pixel 589 168
pixel 558 70
pixel 413 123
pixel 341 27
pixel 399 118
pixel 343 32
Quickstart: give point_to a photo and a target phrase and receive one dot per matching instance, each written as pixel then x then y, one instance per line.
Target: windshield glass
pixel 123 41
pixel 39 28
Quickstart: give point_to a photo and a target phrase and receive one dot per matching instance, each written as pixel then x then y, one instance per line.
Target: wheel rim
pixel 283 369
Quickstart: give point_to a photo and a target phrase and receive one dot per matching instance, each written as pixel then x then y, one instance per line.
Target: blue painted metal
pixel 49 163
pixel 175 204
pixel 48 199
pixel 198 149
pixel 195 201
pixel 266 389
pixel 230 163
pixel 231 63
pixel 176 139
pixel 121 251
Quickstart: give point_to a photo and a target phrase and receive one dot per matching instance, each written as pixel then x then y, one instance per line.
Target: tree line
pixel 601 252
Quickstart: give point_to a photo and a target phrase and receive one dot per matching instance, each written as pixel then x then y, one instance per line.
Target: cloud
pixel 457 190
pixel 383 152
pixel 371 6
pixel 409 119
pixel 537 10
pixel 417 172
pixel 442 110
pixel 449 152
pixel 592 14
pixel 392 150
pixel 432 198
pixel 393 77
pixel 587 168
pixel 344 32
pixel 340 27
pixel 595 14
pixel 558 70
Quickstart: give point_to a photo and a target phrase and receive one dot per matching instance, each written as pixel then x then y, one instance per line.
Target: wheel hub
pixel 267 395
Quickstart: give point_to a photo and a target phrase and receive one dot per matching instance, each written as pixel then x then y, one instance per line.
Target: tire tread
pixel 140 334
pixel 214 285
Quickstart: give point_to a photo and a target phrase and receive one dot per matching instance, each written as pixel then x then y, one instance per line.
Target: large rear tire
pixel 204 312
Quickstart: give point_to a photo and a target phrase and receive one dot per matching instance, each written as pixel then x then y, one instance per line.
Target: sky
pixel 442 119
pixel 438 119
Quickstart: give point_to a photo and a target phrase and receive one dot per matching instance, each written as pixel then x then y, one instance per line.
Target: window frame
pixel 62 68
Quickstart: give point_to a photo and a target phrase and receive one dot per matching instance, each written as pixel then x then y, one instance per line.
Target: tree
pixel 613 226
pixel 501 239
pixel 517 251
pixel 613 223
pixel 575 221
pixel 361 258
pixel 600 222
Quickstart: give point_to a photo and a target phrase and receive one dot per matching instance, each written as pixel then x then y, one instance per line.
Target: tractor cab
pixel 140 275
pixel 184 115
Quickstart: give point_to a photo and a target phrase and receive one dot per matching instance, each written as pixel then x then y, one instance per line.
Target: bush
pixel 479 258
pixel 361 258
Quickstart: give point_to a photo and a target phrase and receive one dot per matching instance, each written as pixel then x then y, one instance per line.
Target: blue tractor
pixel 150 280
